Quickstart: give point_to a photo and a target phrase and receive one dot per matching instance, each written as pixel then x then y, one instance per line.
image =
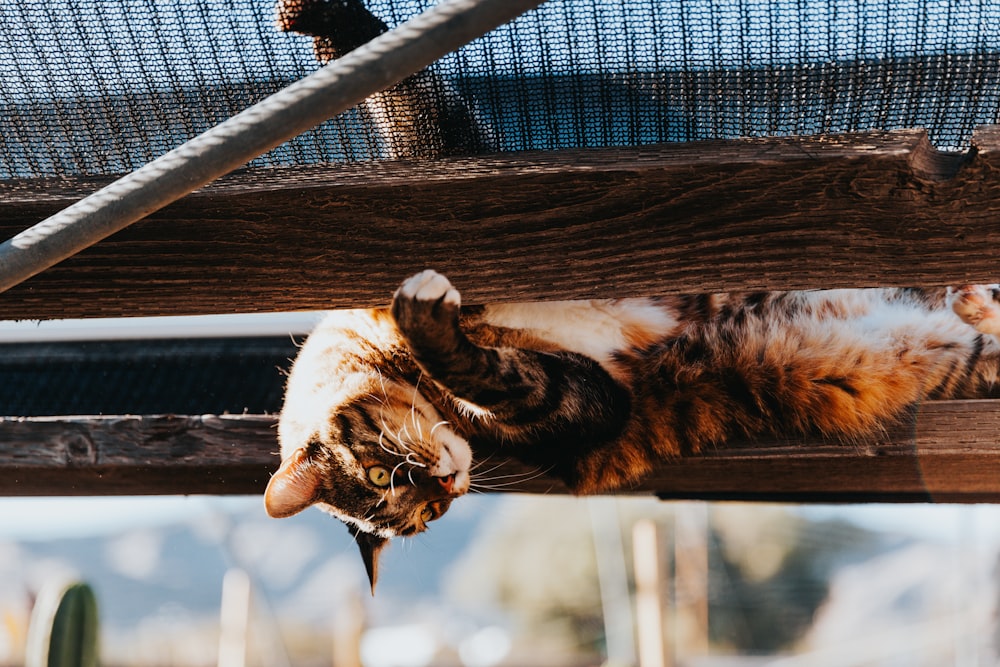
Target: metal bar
pixel 344 83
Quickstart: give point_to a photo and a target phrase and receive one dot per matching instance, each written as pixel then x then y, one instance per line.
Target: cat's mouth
pixel 452 468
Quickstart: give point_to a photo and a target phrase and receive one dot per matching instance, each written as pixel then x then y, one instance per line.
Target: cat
pixel 384 407
pixel 423 116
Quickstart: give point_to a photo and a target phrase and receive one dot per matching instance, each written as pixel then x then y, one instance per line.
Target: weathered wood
pixel 951 454
pixel 136 455
pixel 863 210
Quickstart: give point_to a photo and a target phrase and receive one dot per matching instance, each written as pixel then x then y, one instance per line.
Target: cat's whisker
pixel 413 462
pixel 400 437
pixel 513 480
pixel 513 475
pixel 416 423
pixel 405 447
pixel 435 427
pixel 477 463
pixel 393 452
pixel 381 380
pixel 386 431
pixel 381 420
pixel 413 406
pixel 504 487
pixel 480 473
pixel 381 443
pixel 381 401
pixel 392 478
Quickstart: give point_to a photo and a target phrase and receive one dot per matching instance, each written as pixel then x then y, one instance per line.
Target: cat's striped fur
pixel 598 392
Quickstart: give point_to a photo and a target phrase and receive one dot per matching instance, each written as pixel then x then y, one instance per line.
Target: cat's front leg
pixel 426 309
pixel 560 401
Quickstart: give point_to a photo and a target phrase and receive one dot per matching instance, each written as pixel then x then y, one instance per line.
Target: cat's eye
pixel 379 476
pixel 427 514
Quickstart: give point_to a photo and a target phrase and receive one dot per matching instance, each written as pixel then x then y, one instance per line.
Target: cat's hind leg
pixel 978 306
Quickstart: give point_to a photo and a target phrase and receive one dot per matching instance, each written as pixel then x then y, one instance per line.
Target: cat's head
pixel 375 454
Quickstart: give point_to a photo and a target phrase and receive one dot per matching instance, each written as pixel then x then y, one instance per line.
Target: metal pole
pixel 344 83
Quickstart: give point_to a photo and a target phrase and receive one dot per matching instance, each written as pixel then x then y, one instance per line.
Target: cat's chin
pixel 356 524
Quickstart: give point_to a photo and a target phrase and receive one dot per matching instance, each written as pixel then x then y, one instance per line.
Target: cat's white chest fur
pixel 596 328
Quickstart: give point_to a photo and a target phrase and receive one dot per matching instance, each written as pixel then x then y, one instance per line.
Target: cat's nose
pixel 447 482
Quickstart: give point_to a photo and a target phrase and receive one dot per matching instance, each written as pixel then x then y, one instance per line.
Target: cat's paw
pixel 978 306
pixel 426 303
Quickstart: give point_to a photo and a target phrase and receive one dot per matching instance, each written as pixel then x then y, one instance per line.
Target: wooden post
pixel 613 580
pixel 348 624
pixel 650 595
pixel 691 578
pixel 234 618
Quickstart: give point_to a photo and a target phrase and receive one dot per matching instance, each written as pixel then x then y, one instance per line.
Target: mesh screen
pixel 194 376
pixel 100 87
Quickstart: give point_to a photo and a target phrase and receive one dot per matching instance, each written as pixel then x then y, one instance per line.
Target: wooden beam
pixel 126 455
pixel 949 455
pixel 859 210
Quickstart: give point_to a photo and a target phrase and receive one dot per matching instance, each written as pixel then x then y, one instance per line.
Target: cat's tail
pixel 424 116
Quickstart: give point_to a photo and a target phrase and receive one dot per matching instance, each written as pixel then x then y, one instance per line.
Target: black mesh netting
pixel 103 86
pixel 144 377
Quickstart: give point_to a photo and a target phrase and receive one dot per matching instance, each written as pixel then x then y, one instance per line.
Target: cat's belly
pixel 597 329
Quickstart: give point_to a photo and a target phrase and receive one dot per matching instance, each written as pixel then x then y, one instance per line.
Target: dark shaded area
pixel 185 376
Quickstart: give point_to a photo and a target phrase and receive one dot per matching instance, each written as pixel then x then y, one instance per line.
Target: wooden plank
pixel 136 455
pixel 949 455
pixel 860 210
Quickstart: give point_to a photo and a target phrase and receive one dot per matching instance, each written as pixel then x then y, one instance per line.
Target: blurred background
pixel 514 580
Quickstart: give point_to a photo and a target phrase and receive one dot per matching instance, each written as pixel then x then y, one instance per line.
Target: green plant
pixel 63 628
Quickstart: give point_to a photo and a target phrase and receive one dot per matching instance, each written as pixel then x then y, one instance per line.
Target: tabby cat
pixel 382 405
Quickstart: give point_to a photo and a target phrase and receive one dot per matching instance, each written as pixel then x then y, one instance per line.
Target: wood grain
pixel 949 453
pixel 858 210
pixel 136 455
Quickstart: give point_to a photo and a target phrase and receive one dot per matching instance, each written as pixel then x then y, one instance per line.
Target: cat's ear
pixel 371 546
pixel 294 487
